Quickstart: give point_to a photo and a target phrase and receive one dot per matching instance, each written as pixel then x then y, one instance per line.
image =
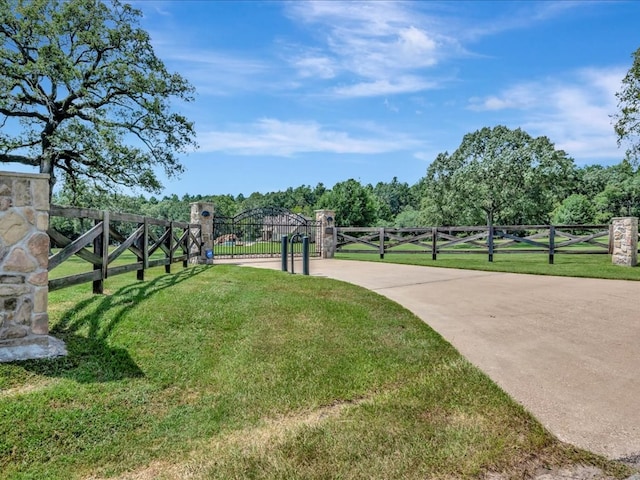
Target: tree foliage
pixel 354 204
pixel 83 95
pixel 593 194
pixel 498 175
pixel 619 199
pixel 627 124
pixel 392 198
pixel 576 209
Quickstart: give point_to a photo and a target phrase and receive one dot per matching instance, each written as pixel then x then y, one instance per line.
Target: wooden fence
pixel 545 239
pixel 153 242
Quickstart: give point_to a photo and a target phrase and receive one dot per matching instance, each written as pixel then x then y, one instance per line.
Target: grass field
pixel 569 265
pixel 259 248
pixel 229 372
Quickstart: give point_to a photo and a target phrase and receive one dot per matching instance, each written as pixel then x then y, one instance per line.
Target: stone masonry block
pixel 5 203
pixel 21 192
pixel 40 194
pixel 39 248
pixel 13 228
pixel 13 331
pixel 5 186
pixel 40 299
pixel 19 261
pixel 42 221
pixel 13 290
pixel 40 279
pixel 40 324
pixel 12 279
pixel 23 315
pixel 30 214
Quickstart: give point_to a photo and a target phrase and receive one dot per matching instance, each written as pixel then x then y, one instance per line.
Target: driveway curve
pixel 567 349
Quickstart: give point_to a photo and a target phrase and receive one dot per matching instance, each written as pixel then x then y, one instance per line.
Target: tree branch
pixel 8 158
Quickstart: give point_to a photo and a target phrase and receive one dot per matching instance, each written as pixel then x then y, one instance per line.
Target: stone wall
pixel 624 233
pixel 24 254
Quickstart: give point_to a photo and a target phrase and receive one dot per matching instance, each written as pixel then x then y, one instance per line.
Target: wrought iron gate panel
pixel 258 233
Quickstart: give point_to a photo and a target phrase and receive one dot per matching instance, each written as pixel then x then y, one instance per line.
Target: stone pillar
pixel 24 275
pixel 624 231
pixel 326 233
pixel 202 213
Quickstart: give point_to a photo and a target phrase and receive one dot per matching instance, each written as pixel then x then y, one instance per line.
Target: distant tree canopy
pixel 84 97
pixel 354 205
pixel 593 194
pixel 497 175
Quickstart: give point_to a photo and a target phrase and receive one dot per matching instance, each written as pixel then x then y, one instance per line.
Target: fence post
pixel 185 246
pixel 552 243
pixel 100 251
pixel 490 241
pixel 169 241
pixel 305 255
pixel 625 241
pixel 381 243
pixel 106 222
pixel 202 213
pixel 24 274
pixel 143 245
pixel 434 243
pixel 326 237
pixel 283 252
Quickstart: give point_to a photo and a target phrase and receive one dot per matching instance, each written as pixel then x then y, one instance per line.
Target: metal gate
pixel 258 233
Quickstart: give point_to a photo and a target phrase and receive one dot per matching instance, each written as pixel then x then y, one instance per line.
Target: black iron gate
pixel 258 233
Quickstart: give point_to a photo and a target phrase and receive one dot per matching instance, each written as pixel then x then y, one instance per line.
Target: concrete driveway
pixel 567 349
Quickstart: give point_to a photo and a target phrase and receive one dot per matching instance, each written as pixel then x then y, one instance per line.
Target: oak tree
pixel 627 124
pixel 499 175
pixel 84 97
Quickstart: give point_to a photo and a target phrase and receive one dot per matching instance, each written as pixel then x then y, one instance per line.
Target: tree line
pixel 496 175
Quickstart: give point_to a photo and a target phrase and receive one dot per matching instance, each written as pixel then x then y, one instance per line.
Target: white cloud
pixel 315 66
pixel 516 16
pixel 523 96
pixel 272 137
pixel 216 73
pixel 407 84
pixel 415 43
pixel 373 44
pixel 574 112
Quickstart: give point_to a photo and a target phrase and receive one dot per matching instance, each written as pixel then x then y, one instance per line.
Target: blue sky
pixel 302 92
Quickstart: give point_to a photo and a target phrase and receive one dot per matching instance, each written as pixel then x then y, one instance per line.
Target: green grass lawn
pixel 229 372
pixel 569 265
pixel 75 264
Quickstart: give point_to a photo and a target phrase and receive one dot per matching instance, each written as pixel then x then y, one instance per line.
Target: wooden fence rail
pixel 545 239
pixel 113 234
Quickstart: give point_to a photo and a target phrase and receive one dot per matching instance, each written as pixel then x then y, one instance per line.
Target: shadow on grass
pixel 86 329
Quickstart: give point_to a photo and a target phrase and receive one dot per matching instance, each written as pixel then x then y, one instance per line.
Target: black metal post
pixel 283 252
pixel 293 262
pixel 305 255
pixel 434 243
pixel 490 240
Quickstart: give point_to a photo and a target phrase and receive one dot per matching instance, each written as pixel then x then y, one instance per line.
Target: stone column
pixel 624 231
pixel 24 275
pixel 326 234
pixel 202 213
